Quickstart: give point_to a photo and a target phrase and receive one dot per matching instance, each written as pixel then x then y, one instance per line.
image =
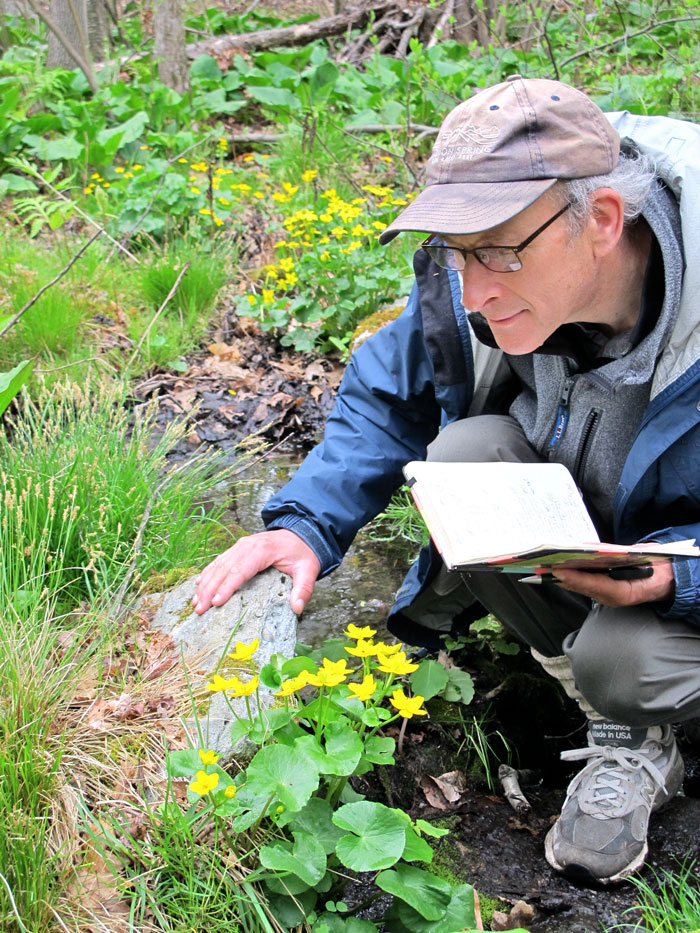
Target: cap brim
pixel 466 208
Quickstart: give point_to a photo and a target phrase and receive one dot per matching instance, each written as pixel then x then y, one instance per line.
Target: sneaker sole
pixel 582 874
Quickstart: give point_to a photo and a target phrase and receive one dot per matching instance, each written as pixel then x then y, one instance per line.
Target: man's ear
pixel 607 220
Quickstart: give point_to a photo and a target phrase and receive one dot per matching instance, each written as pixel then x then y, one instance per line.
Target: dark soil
pixel 501 853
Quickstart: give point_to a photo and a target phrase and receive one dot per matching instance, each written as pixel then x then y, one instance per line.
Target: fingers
pixel 250 555
pixel 616 593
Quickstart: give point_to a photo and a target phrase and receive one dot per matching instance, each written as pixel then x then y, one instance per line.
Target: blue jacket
pixel 426 369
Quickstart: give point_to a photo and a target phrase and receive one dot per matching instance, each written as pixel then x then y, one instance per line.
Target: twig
pixel 157 314
pixel 67 45
pixel 511 789
pixel 548 41
pixel 443 19
pixel 32 301
pixel 89 359
pixel 629 35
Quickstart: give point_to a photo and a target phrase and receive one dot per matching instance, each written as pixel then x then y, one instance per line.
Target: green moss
pixel 487 905
pixel 372 323
pixel 160 582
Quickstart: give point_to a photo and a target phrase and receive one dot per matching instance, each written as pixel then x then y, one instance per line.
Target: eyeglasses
pixel 495 258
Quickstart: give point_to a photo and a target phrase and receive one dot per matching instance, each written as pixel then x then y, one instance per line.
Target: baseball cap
pixel 500 150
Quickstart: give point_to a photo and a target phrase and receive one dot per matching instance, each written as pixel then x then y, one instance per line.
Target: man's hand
pixel 603 589
pixel 279 548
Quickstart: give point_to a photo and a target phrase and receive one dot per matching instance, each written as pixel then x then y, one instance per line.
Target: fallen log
pixel 221 47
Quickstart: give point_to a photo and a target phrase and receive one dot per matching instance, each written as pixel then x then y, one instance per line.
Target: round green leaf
pixel 426 893
pixel 377 835
pixel 343 748
pixel 280 771
pixel 305 859
pixel 429 679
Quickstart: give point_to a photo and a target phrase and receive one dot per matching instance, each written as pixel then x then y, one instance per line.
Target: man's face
pixel 556 285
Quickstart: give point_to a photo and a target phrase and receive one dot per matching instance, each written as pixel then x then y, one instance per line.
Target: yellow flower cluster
pixel 391 660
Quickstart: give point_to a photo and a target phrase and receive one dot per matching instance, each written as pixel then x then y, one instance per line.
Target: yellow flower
pixel 365 648
pixel 325 256
pixel 309 174
pixel 290 280
pixel 364 690
pixel 128 175
pixel 136 167
pixel 331 674
pixel 119 170
pixel 218 683
pixel 96 176
pixel 205 211
pixel 144 147
pixel 286 264
pixel 378 225
pixel 251 299
pixel 195 190
pixel 208 757
pixel 224 201
pixel 230 791
pixel 278 196
pixel 218 221
pixel 354 631
pixel 338 231
pixel 241 689
pixel 290 189
pixel 326 218
pixel 407 706
pixel 204 783
pixel 395 664
pixel 182 159
pixel 268 296
pixel 259 195
pixel 293 684
pixel 386 650
pixel 106 185
pixel 242 651
pixel 87 190
pixel 197 166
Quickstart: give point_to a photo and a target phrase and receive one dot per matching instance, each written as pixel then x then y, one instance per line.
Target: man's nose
pixel 480 285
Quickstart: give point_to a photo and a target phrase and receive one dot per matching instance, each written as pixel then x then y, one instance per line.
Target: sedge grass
pixel 669 903
pixel 78 478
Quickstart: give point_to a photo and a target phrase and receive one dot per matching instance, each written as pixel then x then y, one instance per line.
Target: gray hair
pixel 633 177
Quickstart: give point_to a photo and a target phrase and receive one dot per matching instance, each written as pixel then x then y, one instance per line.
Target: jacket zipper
pixel 586 435
pixel 562 416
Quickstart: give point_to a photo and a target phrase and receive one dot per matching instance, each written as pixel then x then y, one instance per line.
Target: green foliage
pixel 668 903
pixel 295 791
pixel 78 480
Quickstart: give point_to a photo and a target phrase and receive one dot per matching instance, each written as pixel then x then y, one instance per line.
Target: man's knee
pixel 483 439
pixel 618 666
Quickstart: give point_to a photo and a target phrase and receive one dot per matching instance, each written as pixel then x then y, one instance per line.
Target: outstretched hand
pixel 279 548
pixel 616 593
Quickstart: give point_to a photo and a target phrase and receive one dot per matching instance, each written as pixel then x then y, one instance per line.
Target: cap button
pixel 514 78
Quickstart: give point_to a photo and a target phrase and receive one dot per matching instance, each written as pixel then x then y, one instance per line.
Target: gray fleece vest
pixel 588 420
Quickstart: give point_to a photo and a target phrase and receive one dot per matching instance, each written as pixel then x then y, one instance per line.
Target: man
pixel 577 264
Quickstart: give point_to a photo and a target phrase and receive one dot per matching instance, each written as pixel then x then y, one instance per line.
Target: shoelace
pixel 606 789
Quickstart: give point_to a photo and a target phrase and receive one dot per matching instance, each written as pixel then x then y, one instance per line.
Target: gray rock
pixel 260 609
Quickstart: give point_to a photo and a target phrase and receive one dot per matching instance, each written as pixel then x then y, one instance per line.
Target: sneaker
pixel 601 835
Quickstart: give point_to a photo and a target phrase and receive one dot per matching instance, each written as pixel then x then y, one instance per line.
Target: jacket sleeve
pixel 385 415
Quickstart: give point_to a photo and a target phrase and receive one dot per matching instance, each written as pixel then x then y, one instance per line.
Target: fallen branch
pixel 510 782
pixel 32 301
pixel 299 34
pixel 362 128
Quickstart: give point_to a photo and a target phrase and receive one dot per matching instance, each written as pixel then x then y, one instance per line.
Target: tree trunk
pixel 71 18
pixel 98 29
pixel 478 20
pixel 171 53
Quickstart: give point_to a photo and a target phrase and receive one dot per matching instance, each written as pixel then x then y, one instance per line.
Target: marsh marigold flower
pixel 407 706
pixel 364 690
pixel 219 683
pixel 242 651
pixel 331 674
pixel 396 664
pixel 230 791
pixel 354 631
pixel 365 648
pixel 208 757
pixel 204 783
pixel 241 689
pixel 293 684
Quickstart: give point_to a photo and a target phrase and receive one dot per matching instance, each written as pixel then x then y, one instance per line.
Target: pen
pixel 615 573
